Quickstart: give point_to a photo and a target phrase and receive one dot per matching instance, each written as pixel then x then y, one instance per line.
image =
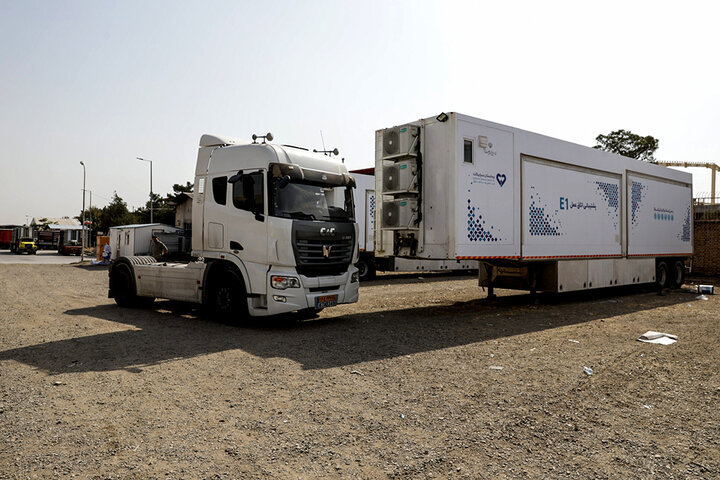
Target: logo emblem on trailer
pixel 500 177
pixel 327 232
pixel 326 250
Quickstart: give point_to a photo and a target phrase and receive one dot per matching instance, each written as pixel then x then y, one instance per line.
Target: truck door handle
pixel 235 246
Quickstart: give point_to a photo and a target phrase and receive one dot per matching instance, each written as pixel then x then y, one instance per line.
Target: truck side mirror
pixel 283 182
pixel 235 178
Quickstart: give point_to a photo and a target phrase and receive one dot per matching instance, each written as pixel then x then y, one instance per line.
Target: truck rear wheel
pixel 227 300
pixel 123 287
pixel 678 274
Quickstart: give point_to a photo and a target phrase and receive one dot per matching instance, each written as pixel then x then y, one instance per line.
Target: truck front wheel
pixel 227 300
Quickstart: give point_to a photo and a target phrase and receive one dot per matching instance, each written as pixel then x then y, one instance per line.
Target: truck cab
pixel 22 241
pixel 273 232
pixel 27 244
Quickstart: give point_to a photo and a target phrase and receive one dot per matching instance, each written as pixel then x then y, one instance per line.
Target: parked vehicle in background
pixel 5 238
pixel 47 239
pixel 538 213
pixel 22 241
pixel 67 244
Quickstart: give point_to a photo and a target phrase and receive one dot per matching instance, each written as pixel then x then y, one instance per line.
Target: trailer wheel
pixel 662 275
pixel 227 300
pixel 678 274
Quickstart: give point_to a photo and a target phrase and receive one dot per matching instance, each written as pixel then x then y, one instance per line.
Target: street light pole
pixel 151 192
pixel 82 232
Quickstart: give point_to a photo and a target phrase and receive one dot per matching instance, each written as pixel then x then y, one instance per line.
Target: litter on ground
pixel 658 337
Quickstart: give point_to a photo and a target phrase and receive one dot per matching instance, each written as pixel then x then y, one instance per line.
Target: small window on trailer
pixel 467 151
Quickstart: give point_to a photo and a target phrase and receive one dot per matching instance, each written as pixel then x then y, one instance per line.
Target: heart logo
pixel 501 178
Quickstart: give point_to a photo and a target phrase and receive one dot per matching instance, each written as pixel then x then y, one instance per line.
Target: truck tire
pixel 662 275
pixel 366 268
pixel 123 287
pixel 678 274
pixel 227 300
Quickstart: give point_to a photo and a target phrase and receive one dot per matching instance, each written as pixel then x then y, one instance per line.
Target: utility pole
pixel 82 231
pixel 151 192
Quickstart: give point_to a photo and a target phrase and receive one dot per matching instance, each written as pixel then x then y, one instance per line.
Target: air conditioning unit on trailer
pixel 400 141
pixel 400 177
pixel 399 214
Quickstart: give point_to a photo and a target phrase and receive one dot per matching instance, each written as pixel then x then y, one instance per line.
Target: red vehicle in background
pixel 5 238
pixel 72 247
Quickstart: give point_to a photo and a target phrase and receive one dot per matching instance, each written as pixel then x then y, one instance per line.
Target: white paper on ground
pixel 658 337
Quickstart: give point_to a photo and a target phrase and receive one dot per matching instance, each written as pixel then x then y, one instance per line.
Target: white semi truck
pixel 271 234
pixel 538 213
pixel 368 264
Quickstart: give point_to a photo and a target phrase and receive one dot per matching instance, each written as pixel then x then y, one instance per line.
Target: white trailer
pixel 269 235
pixel 136 239
pixel 368 263
pixel 537 212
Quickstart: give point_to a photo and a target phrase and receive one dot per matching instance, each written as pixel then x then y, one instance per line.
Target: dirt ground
pixel 423 378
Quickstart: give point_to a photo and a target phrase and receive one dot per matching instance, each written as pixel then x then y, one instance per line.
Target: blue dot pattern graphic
pixel 611 193
pixel 541 223
pixel 666 217
pixel 637 193
pixel 372 206
pixel 476 226
pixel 685 236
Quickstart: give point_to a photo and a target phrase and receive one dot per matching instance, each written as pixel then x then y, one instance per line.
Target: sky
pixel 104 82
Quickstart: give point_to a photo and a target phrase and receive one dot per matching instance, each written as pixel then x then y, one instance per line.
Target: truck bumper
pixel 314 292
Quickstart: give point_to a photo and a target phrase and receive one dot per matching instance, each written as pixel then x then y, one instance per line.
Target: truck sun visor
pixel 297 173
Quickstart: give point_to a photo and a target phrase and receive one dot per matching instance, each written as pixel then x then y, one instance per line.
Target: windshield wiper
pixel 301 215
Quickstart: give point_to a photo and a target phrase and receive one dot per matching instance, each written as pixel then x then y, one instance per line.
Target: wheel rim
pixel 362 268
pixel 223 299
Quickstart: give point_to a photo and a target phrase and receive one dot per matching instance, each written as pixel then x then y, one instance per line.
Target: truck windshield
pixel 308 201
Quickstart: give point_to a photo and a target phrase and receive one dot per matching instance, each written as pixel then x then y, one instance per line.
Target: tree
pixel 116 213
pixel 162 211
pixel 163 208
pixel 178 189
pixel 624 142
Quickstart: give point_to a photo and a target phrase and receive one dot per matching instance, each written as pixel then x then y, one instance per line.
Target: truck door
pixel 247 225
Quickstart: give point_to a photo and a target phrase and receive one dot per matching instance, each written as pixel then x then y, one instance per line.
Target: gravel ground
pixel 423 378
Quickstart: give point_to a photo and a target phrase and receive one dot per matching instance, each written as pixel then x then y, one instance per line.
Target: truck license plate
pixel 325 301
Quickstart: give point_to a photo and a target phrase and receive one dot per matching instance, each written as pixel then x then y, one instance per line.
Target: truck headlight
pixel 281 283
pixel 355 277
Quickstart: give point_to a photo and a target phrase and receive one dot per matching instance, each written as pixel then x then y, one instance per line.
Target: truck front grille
pixel 324 251
pixel 317 254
